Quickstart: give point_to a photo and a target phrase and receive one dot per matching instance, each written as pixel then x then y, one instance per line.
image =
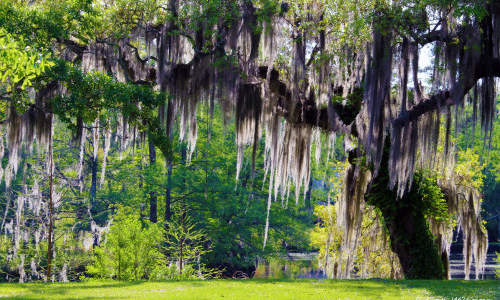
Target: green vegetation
pixel 424 197
pixel 174 140
pixel 204 206
pixel 131 250
pixel 256 289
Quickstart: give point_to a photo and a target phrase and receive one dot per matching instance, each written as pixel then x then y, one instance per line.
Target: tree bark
pixel 168 197
pixel 169 124
pixel 50 247
pixel 94 164
pixel 409 232
pixel 153 206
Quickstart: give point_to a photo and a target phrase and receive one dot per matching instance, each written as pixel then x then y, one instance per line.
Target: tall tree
pixel 245 53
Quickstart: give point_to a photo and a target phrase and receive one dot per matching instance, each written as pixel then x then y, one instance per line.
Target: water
pixel 457 263
pixel 305 265
pixel 294 265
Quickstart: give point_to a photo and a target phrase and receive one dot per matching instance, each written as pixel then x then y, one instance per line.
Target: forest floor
pixel 256 289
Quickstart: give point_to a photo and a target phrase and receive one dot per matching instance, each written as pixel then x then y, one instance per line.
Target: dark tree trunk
pixel 93 186
pixel 168 212
pixel 153 206
pixel 168 190
pixel 409 232
pixel 50 247
pixel 308 202
pixel 446 264
pixel 93 166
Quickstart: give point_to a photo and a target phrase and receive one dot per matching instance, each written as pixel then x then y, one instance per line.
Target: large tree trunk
pixel 409 232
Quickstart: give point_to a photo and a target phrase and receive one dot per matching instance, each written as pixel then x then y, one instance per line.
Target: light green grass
pixel 256 289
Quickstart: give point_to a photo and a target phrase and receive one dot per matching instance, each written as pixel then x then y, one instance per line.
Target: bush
pixel 131 250
pixel 171 272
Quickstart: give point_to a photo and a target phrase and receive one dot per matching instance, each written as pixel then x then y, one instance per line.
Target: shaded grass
pixel 256 289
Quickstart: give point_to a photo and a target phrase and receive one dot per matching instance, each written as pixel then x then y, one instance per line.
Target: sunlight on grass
pixel 256 289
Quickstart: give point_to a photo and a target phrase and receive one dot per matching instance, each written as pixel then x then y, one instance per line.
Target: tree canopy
pixel 291 75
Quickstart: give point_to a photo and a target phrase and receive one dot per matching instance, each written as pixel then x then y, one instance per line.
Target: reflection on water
pixel 305 265
pixel 290 267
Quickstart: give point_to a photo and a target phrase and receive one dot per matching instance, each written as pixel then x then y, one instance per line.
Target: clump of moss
pixel 348 109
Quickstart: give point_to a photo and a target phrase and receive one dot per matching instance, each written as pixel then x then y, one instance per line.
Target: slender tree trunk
pixel 93 186
pixel 81 157
pixel 94 164
pixel 51 207
pixel 153 209
pixel 308 203
pixel 119 265
pixel 107 146
pixel 180 257
pixel 168 200
pixel 168 190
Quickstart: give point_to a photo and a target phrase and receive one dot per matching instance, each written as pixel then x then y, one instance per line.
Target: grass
pixel 256 289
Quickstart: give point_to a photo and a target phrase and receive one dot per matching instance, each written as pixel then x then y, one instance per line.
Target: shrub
pixel 131 250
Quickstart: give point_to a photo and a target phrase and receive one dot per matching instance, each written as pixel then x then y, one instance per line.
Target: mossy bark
pixel 411 238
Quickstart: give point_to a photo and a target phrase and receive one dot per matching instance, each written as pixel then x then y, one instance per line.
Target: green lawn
pixel 256 289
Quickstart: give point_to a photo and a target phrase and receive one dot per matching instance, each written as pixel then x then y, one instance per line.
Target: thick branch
pixel 434 36
pixel 73 46
pixel 304 111
pixel 425 106
pixel 138 57
pixel 486 67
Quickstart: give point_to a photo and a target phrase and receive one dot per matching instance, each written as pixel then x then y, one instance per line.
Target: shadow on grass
pixel 437 289
pixel 38 290
pixel 308 288
pixel 38 297
pixel 457 289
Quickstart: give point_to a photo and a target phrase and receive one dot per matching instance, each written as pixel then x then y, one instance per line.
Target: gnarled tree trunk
pixel 410 235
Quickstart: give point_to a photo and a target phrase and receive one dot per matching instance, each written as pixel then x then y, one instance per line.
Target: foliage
pixel 433 203
pixel 345 20
pixel 201 201
pixel 416 240
pixel 208 191
pixel 469 169
pixel 19 62
pixel 131 250
pixel 214 206
pixel 479 165
pixel 373 256
pixel 95 96
pixel 185 244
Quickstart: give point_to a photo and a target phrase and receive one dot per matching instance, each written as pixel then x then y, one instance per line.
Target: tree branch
pixel 425 106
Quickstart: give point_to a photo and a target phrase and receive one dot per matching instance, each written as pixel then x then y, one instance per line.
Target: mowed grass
pixel 256 289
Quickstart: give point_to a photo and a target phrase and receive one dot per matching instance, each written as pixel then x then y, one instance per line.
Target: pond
pixel 305 265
